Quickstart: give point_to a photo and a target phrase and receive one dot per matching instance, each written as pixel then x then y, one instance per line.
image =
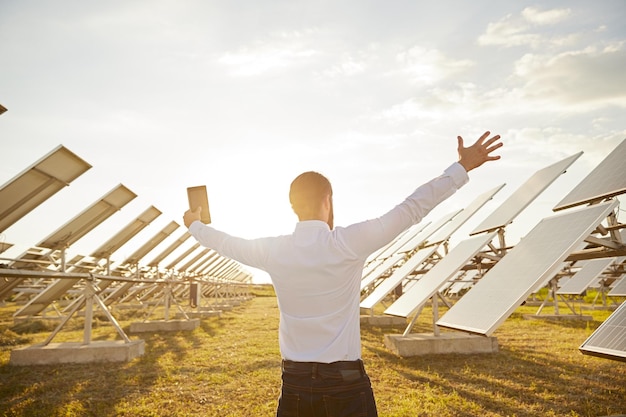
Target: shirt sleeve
pixel 366 237
pixel 252 252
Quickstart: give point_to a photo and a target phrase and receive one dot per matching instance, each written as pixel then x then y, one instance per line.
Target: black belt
pixel 349 370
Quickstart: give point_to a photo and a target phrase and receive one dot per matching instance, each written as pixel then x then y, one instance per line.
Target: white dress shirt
pixel 316 272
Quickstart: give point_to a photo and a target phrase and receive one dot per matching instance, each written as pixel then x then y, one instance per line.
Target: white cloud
pixel 545 17
pixel 587 78
pixel 276 54
pixel 347 67
pixel 523 30
pixel 428 66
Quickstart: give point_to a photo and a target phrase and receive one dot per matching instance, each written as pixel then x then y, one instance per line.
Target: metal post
pixel 89 294
pixel 167 301
pixel 435 314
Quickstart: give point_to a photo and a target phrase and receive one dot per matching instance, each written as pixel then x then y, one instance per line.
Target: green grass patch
pixel 230 366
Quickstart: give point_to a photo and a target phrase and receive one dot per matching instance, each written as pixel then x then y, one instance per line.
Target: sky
pixel 244 96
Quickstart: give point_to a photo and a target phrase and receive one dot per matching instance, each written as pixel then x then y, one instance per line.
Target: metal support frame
pixel 89 297
pixel 167 298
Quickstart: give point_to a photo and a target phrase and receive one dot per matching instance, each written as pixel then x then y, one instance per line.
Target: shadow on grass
pixel 524 381
pixel 97 388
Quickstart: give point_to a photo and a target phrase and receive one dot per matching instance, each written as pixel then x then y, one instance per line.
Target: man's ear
pixel 328 201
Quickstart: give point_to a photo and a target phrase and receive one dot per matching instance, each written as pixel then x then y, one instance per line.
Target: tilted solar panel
pixel 609 340
pixel 37 183
pixel 397 277
pixel 608 179
pixel 89 218
pixel 619 289
pixel 537 256
pixel 428 285
pixel 581 280
pixel 524 195
pixel 445 232
pixel 131 229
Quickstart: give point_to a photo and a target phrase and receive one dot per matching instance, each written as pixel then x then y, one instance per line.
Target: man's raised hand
pixel 480 152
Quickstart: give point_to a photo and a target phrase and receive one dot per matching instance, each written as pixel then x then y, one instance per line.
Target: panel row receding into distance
pixel 397 277
pixel 524 195
pixel 619 289
pixel 582 279
pixel 412 244
pixel 537 256
pixel 60 287
pixel 76 228
pixel 609 339
pixel 37 183
pixel 608 179
pixel 438 236
pixel 428 285
pixel 459 220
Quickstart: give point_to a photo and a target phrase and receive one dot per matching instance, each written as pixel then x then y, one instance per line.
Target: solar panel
pixel 524 195
pixel 120 238
pixel 182 256
pixel 411 233
pixel 421 237
pixel 445 232
pixel 37 183
pixel 151 244
pixel 582 279
pixel 609 339
pixel 60 287
pixel 619 289
pixel 428 285
pixel 397 277
pixel 380 269
pixel 608 179
pixel 157 260
pixel 205 263
pixel 194 259
pixel 510 281
pixel 84 222
pixel 5 246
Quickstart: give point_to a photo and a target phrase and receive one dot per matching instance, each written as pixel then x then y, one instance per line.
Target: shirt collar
pixel 312 224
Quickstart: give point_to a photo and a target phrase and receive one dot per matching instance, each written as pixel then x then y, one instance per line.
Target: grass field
pixel 230 366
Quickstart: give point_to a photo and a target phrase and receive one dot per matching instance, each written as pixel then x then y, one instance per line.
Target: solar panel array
pixel 428 285
pixel 513 278
pixel 608 179
pixel 51 277
pixel 397 277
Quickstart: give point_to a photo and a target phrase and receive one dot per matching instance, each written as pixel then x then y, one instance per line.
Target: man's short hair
pixel 307 192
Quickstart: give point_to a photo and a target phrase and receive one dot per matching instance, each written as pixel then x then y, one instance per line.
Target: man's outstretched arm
pixel 480 152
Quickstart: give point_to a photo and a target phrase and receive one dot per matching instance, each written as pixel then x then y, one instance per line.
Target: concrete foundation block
pixel 164 326
pixel 200 314
pixel 418 344
pixel 558 317
pixel 56 353
pixel 223 307
pixel 383 320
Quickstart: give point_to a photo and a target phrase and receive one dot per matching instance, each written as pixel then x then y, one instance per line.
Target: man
pixel 316 272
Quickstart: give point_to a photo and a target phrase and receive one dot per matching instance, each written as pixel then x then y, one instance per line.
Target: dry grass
pixel 229 366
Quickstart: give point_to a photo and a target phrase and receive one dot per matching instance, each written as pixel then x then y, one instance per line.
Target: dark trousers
pixel 338 389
